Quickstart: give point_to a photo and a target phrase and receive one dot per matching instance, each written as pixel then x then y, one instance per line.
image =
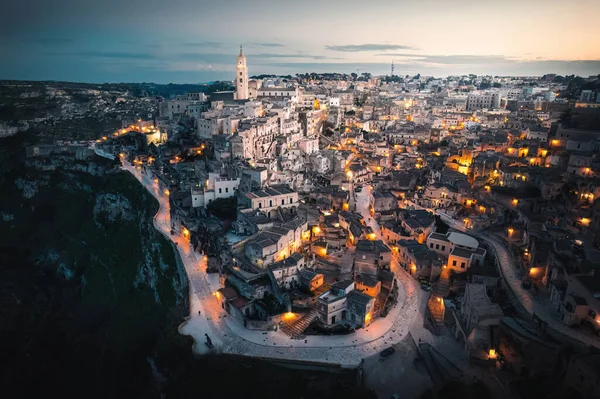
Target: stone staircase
pixel 435 305
pixel 297 327
pixel 442 286
pixel 436 310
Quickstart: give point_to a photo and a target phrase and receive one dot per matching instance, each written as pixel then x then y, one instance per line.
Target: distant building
pixel 477 101
pixel 241 77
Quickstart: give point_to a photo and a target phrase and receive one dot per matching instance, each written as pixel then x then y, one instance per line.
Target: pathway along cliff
pixel 228 336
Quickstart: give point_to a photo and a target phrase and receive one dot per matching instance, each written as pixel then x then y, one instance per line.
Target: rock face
pixel 112 208
pixel 99 285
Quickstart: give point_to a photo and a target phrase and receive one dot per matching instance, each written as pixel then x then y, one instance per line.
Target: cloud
pixel 105 54
pixel 353 48
pixel 196 67
pixel 265 44
pixel 453 59
pixel 300 55
pixel 202 44
pixel 253 59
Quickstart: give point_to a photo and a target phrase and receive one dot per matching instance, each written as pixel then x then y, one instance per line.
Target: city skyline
pixel 189 42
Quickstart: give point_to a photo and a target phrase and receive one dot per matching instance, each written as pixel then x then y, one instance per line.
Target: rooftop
pixel 463 239
pixel 359 297
pixel 439 237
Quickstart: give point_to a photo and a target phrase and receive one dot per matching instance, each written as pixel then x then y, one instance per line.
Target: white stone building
pixel 461 250
pixel 272 198
pixel 241 77
pixel 215 187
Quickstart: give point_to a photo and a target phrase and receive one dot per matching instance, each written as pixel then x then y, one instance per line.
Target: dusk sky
pixel 191 41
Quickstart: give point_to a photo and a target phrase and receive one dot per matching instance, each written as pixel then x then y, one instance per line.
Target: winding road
pixel 228 336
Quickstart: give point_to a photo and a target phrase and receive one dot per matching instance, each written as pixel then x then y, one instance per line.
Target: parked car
pixel 387 352
pixel 425 287
pixel 358 189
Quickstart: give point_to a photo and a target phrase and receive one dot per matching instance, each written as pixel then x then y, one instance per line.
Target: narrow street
pixel 532 305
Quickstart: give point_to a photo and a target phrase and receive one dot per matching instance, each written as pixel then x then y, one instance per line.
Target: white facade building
pixel 309 145
pixel 215 187
pixel 483 101
pixel 461 250
pixel 272 198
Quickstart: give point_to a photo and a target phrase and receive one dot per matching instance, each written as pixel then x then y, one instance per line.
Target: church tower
pixel 241 77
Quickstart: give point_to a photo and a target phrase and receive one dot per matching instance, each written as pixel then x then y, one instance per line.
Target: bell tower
pixel 241 77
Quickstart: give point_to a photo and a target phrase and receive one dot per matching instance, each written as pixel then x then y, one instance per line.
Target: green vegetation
pixel 84 299
pixel 91 298
pixel 224 208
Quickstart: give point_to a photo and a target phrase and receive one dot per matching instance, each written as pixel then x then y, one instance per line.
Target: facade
pixel 383 201
pixel 286 273
pixel 580 302
pixel 419 260
pixel 214 188
pixel 309 145
pixel 461 250
pixel 483 101
pixel 272 198
pixel 275 243
pixel 344 304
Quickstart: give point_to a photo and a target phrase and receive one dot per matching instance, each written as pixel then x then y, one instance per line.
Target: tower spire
pixel 241 53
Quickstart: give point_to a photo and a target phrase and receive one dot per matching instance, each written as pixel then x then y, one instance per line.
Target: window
pixel 270 202
pixel 226 189
pixel 431 245
pixel 443 247
pixel 282 202
pixel 260 204
pixel 241 80
pixel 462 265
pixel 220 191
pixel 290 200
pixel 437 246
pixel 240 74
pixel 453 263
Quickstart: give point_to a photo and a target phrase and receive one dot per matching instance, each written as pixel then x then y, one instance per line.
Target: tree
pixel 224 208
pixel 566 117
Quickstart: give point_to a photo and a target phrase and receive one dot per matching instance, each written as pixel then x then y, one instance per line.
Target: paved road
pixel 528 302
pixel 525 298
pixel 206 316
